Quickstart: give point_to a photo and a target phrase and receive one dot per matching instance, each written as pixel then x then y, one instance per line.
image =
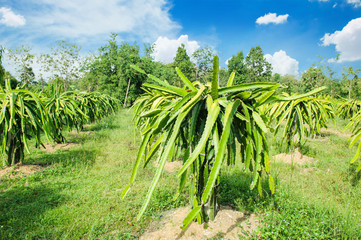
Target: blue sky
pixel 291 33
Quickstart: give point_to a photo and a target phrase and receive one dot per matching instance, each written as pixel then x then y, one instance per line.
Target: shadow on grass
pixel 23 205
pixel 72 157
pixel 107 123
pixel 235 192
pixel 354 176
pixel 22 208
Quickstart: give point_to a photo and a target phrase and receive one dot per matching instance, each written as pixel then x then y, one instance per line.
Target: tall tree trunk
pixel 126 94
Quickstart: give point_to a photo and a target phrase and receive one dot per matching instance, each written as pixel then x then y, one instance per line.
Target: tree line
pixel 108 71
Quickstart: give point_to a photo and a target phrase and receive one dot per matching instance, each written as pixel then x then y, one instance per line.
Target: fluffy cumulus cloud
pixel 226 62
pixel 347 41
pixel 165 49
pixel 144 19
pixel 10 19
pixel 282 63
pixel 272 18
pixel 355 3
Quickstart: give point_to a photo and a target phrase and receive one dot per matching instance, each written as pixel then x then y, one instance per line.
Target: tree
pixel 63 63
pixel 223 77
pixel 24 60
pixel 259 70
pixel 237 64
pixel 183 62
pixel 205 122
pixel 203 66
pixel 6 76
pixel 313 78
pixel 109 72
pixel 350 81
pixel 13 82
pixel 2 70
pixel 291 84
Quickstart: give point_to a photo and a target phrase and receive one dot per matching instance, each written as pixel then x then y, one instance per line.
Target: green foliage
pixel 172 116
pixel 80 182
pixel 259 70
pixel 354 125
pixel 2 70
pixel 94 106
pixel 253 68
pixel 203 58
pixel 110 72
pixel 348 108
pixel 183 62
pixel 63 63
pixel 236 64
pixel 294 219
pixel 313 78
pixel 205 123
pixel 322 197
pixel 64 111
pixel 302 117
pixel 23 116
pixel 351 83
pixel 24 59
pixel 289 83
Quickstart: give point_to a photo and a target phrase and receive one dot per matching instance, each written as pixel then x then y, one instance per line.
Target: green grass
pixel 77 195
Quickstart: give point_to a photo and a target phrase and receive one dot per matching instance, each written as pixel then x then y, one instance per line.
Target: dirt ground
pixel 228 224
pixel 75 132
pixel 25 170
pixel 170 167
pixel 335 132
pixel 295 157
pixel 52 148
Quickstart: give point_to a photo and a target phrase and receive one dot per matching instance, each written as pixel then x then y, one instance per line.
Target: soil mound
pixel 337 133
pixel 52 148
pixel 228 224
pixel 170 167
pixel 294 157
pixel 24 170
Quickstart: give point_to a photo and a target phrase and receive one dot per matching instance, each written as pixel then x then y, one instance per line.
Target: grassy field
pixel 77 194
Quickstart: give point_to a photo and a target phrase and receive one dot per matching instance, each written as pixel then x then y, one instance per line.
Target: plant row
pixel 26 115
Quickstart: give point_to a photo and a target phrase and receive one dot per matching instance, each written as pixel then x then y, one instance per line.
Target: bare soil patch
pixel 294 157
pixel 53 147
pixel 228 224
pixel 170 167
pixel 24 170
pixel 75 132
pixel 337 133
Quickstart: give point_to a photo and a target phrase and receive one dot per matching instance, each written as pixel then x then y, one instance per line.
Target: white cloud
pixel 84 19
pixel 226 62
pixel 272 18
pixel 165 49
pixel 347 41
pixel 10 19
pixel 282 63
pixel 355 3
